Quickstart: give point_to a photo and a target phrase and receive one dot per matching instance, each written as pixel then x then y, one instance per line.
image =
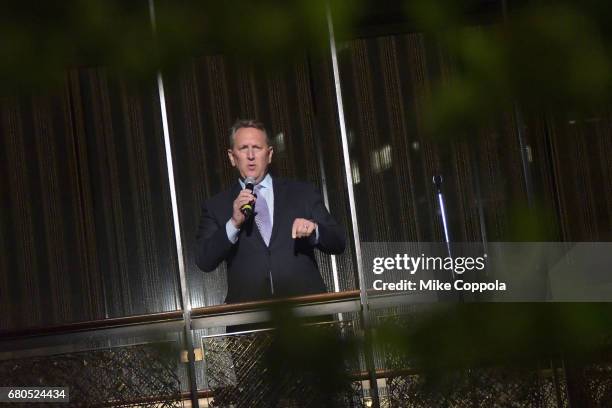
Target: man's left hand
pixel 302 228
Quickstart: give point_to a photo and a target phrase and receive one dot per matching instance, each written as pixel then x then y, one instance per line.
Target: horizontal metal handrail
pixel 260 311
pixel 217 312
pixel 261 304
pixel 92 325
pixel 173 316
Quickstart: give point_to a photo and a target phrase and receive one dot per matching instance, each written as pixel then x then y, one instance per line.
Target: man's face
pixel 251 155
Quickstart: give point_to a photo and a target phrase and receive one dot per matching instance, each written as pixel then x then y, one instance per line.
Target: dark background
pixel 86 225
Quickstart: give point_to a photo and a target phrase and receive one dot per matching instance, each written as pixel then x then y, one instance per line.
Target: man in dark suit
pixel 271 253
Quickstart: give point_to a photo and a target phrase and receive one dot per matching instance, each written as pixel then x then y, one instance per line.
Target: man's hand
pixel 302 228
pixel 243 198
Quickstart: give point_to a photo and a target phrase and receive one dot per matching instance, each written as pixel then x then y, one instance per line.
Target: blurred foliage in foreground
pixel 39 40
pixel 442 336
pixel 485 334
pixel 541 55
pixel 442 349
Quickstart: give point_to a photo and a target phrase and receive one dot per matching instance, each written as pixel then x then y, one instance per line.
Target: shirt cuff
pixel 232 231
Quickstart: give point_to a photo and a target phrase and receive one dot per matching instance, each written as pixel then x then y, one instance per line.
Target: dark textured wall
pixel 44 260
pixel 86 226
pixel 387 83
pixel 581 160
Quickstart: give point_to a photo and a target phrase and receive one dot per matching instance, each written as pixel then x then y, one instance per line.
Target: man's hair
pixel 247 123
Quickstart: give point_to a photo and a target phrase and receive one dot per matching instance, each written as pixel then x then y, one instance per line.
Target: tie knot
pixel 258 188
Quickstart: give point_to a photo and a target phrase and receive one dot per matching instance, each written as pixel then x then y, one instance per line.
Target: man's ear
pixel 230 155
pixel 270 152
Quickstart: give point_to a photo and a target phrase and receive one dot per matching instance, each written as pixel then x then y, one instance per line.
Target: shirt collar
pixel 265 183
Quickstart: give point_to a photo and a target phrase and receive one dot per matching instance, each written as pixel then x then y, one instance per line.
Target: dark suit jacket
pixel 287 267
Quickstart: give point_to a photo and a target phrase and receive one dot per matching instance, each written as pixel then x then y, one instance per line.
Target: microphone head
pixel 247 209
pixel 249 181
pixel 437 180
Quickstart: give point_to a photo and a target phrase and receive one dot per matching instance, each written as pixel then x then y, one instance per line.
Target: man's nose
pixel 250 154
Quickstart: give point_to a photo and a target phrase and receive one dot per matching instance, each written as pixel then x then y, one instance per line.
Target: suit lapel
pixel 235 189
pixel 279 188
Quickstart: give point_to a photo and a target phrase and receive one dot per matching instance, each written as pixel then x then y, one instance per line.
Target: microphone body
pixel 247 209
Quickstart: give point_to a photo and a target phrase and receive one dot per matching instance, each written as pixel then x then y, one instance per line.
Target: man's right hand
pixel 243 198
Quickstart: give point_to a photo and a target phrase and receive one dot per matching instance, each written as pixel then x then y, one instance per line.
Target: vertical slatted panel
pixel 44 265
pixel 392 159
pixel 19 225
pixel 125 185
pixel 582 162
pixel 327 132
pixel 387 83
pixel 86 218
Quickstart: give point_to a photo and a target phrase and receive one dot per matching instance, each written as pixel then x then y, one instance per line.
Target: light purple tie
pixel 262 216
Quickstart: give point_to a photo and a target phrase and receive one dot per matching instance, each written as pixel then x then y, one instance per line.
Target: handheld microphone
pixel 247 209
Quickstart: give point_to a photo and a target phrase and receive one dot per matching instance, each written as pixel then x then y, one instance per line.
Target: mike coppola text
pixel 410 264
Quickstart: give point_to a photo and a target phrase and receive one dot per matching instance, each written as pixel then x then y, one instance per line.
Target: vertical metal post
pixel 525 157
pixel 365 316
pixel 326 202
pixel 481 217
pixel 185 299
pixel 437 180
pixel 556 381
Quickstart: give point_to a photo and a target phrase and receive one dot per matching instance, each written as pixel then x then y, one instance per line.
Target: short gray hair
pixel 247 123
